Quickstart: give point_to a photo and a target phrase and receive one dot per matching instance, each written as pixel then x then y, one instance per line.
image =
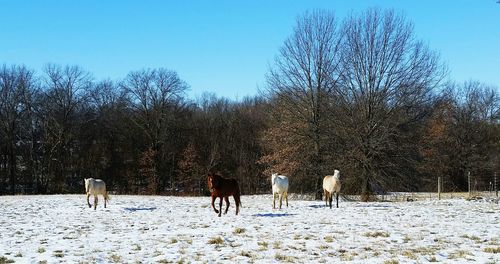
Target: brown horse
pixel 223 188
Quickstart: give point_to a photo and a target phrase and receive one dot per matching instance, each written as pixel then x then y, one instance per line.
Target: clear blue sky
pixel 224 47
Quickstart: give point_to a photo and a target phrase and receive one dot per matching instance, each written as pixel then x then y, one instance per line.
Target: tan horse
pixel 96 187
pixel 331 184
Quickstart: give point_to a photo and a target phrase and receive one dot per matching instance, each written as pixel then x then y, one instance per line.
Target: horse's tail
pixel 106 196
pixel 237 196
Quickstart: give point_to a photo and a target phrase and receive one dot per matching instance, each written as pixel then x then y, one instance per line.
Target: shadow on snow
pixel 273 215
pixel 318 206
pixel 140 209
pixel 374 205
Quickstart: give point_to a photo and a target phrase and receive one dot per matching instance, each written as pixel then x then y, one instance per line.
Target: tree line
pixel 362 95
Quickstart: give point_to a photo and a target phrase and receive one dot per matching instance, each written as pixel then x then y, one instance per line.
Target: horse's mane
pixel 216 178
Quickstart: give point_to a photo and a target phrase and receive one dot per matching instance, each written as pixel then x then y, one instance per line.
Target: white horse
pixel 280 188
pixel 331 184
pixel 95 187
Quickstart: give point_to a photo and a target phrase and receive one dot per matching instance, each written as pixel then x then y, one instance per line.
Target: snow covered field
pixel 163 229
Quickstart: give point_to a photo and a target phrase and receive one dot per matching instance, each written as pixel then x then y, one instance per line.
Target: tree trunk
pixel 365 186
pixel 4 174
pixel 319 188
pixel 317 169
pixel 12 169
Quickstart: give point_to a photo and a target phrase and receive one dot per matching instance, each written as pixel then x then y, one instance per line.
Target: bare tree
pixel 64 95
pixel 17 84
pixel 107 135
pixel 463 136
pixel 474 130
pixel 387 82
pixel 213 127
pixel 156 98
pixel 304 73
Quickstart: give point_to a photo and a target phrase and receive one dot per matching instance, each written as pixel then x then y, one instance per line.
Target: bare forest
pixel 361 94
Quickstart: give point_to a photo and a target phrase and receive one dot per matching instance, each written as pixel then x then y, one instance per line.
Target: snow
pixel 164 229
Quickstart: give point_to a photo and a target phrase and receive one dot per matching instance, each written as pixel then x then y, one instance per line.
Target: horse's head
pixel 213 181
pixel 87 183
pixel 336 174
pixel 273 176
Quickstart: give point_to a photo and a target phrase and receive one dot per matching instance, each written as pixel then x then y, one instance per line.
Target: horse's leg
pixel 227 203
pixel 337 194
pixel 104 197
pixel 331 200
pixel 274 200
pixel 281 199
pixel 88 202
pixel 237 202
pixel 286 198
pixel 220 206
pixel 325 193
pixel 95 202
pixel 213 206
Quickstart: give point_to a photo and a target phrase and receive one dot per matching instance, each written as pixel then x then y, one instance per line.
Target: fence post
pixel 496 188
pixel 439 188
pixel 468 179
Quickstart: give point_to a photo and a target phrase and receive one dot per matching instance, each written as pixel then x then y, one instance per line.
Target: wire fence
pixel 480 187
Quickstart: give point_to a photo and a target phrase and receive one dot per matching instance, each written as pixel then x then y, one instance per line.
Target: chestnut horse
pixel 223 188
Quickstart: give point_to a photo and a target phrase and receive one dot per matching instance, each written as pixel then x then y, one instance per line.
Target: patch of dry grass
pixel 329 239
pixel 58 253
pixel 246 254
pixel 323 247
pixel 136 247
pixel 263 244
pixel 277 245
pixel 216 241
pixel 284 258
pixel 473 238
pixel 431 250
pixel 432 259
pixel 4 260
pixel 239 230
pixel 493 250
pixel 115 258
pixel 409 254
pixel 376 234
pixel 459 254
pixel 346 256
